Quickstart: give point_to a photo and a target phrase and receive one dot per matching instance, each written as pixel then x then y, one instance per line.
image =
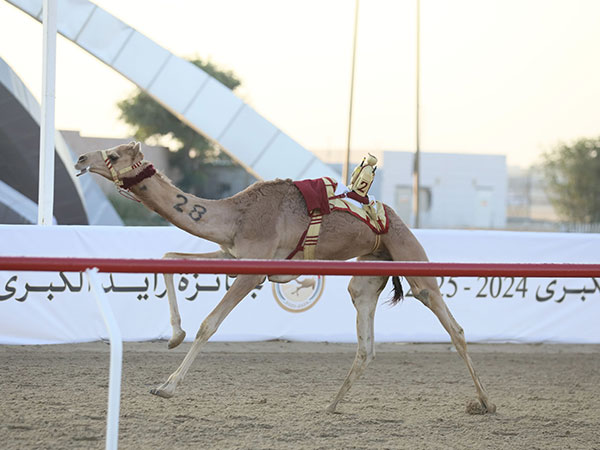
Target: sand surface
pixel 272 395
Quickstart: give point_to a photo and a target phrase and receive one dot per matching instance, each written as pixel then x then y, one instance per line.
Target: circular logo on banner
pixel 300 294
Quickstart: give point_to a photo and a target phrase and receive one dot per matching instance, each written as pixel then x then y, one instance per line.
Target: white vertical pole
pixel 416 207
pixel 116 361
pixel 346 166
pixel 46 173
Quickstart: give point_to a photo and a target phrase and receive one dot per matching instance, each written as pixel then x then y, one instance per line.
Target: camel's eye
pixel 113 157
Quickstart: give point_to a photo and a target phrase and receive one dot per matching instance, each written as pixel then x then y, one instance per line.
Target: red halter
pixel 124 184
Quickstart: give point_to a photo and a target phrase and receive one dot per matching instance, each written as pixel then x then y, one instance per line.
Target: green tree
pixel 192 152
pixel 572 176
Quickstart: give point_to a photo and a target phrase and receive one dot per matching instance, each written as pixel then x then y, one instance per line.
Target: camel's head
pixel 111 163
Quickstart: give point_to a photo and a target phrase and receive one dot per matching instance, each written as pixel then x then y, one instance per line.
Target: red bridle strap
pixel 147 172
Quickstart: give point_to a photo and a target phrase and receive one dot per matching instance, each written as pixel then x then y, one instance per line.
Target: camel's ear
pixel 137 150
pixel 134 149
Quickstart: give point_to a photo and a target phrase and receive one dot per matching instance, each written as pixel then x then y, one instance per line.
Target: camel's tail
pixel 398 292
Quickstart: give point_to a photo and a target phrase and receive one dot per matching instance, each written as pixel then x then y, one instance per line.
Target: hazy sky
pixel 507 77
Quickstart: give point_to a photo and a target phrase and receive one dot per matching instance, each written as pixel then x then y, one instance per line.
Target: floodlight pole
pixel 417 158
pixel 346 166
pixel 46 171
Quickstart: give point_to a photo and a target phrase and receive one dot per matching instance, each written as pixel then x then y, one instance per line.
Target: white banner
pixel 57 307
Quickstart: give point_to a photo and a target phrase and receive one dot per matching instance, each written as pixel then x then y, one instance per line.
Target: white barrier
pixel 116 361
pixel 54 307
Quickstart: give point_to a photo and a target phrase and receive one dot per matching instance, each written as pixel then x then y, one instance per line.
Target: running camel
pixel 265 221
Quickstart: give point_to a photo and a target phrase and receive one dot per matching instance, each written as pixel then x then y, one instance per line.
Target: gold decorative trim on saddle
pixel 372 213
pixel 320 197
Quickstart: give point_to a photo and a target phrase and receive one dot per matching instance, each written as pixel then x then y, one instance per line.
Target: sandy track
pixel 272 395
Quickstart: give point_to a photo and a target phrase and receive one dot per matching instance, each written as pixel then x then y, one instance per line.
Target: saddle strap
pixel 309 239
pixel 312 234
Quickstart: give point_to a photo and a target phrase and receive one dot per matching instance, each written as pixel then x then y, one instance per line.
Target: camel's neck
pixel 209 219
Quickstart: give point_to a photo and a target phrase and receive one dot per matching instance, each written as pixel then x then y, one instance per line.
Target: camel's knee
pixel 353 289
pixel 204 332
pixel 364 356
pixel 366 286
pixel 460 341
pixel 207 329
pixel 362 286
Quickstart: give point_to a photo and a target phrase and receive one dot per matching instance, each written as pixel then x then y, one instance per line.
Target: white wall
pixel 467 191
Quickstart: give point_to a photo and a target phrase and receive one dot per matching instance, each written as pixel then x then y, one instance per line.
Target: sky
pixel 512 77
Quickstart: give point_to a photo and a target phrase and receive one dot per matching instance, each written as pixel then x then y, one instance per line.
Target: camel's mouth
pixel 82 171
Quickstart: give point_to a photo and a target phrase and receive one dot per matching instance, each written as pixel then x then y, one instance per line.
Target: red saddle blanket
pixel 315 195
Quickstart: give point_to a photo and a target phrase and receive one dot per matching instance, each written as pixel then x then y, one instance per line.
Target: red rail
pixel 286 267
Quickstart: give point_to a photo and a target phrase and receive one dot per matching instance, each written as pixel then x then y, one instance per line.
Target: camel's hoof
pixel 161 392
pixel 176 339
pixel 331 410
pixel 477 407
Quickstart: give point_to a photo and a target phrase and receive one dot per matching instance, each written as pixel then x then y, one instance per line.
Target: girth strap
pixel 312 234
pixel 309 239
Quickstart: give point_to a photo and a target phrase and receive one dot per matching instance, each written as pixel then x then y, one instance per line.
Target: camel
pixel 265 221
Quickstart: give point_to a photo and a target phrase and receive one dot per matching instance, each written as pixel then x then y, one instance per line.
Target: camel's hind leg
pixel 427 291
pixel 403 246
pixel 178 334
pixel 238 290
pixel 365 292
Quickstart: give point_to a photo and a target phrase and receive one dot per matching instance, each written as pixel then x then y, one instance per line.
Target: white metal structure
pixel 20 204
pixel 199 100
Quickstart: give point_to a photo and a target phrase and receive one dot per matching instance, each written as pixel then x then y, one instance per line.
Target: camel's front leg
pixel 238 290
pixel 365 292
pixel 178 334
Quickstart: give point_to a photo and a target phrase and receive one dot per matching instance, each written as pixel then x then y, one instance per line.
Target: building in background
pixel 465 191
pixel 457 190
